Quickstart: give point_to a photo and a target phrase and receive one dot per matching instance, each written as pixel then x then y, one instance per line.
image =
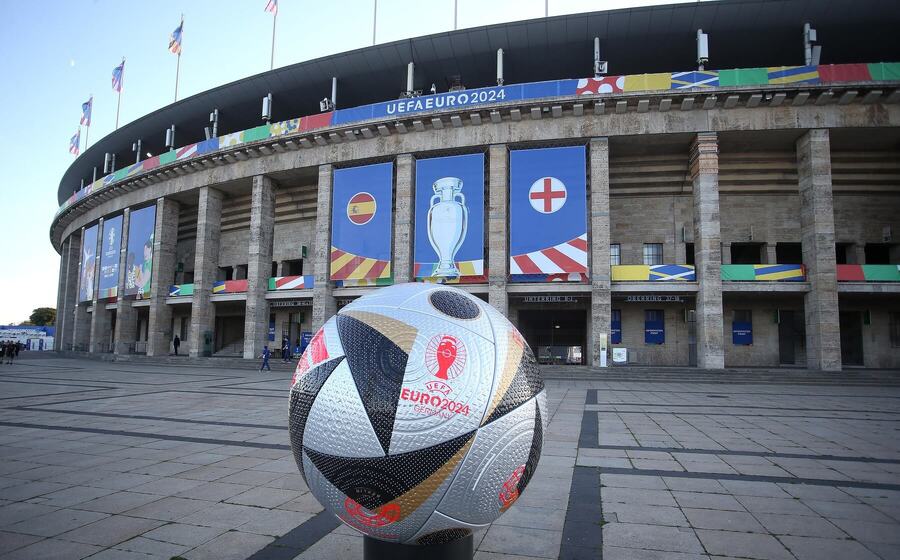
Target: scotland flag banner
pixel 548 222
pixel 449 240
pixel 361 223
pixel 88 264
pixel 109 258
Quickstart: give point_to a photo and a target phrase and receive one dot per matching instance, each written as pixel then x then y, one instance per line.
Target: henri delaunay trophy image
pixel 448 219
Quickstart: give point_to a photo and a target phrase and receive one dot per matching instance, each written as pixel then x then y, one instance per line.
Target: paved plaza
pixel 117 460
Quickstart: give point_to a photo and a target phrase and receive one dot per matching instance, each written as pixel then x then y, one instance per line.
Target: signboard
pixel 305 337
pixel 139 260
pixel 620 355
pixel 109 257
pixel 290 303
pixel 271 331
pixel 654 332
pixel 616 332
pixel 550 299
pixel 449 238
pixel 361 222
pixel 547 207
pixel 741 333
pixel 654 299
pixel 602 349
pixel 88 264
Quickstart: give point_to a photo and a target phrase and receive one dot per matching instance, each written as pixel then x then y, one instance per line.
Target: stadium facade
pixel 747 215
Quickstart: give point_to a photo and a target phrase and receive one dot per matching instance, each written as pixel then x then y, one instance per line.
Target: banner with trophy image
pixel 548 215
pixel 88 264
pixel 109 258
pixel 449 241
pixel 139 260
pixel 362 201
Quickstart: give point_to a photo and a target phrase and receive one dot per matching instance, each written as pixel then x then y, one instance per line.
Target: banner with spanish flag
pixel 361 222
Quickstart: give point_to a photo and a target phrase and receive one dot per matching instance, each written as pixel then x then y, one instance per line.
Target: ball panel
pixel 441 529
pixel 347 433
pixel 303 394
pixel 522 386
pixel 487 482
pixel 421 303
pixel 454 304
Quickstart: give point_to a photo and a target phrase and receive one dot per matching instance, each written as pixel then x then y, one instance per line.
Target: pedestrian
pixel 176 343
pixel 2 350
pixel 10 352
pixel 265 358
pixel 18 347
pixel 285 350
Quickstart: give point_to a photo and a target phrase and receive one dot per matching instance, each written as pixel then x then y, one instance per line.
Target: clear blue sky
pixel 57 52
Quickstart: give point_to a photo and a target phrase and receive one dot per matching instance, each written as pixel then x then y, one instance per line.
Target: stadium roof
pixel 743 33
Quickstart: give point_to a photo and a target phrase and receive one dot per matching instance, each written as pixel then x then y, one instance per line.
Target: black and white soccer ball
pixel 417 414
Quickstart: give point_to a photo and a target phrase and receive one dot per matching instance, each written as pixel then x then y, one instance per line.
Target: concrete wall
pixel 640 219
pixel 764 350
pixel 675 351
pixel 289 237
pixel 772 217
pixel 877 349
pixel 862 218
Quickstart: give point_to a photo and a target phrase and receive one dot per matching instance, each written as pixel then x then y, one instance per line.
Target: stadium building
pixel 743 213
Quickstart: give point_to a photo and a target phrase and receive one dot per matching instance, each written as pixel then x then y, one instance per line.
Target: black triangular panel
pixel 534 454
pixel 375 481
pixel 303 394
pixel 377 366
pixel 525 385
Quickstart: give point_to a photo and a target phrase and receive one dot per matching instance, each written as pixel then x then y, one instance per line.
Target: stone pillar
pixel 726 253
pixel 498 222
pixel 771 254
pixel 100 316
pixel 206 264
pixel 259 265
pixel 704 167
pixel 324 304
pixel 165 236
pixel 403 218
pixel 601 300
pixel 70 293
pixel 823 336
pixel 81 330
pixel 61 294
pixel 126 322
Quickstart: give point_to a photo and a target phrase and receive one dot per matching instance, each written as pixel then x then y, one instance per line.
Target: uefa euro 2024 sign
pixel 417 414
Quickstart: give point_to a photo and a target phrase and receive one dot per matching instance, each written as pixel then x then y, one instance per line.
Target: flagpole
pixel 119 102
pixel 274 19
pixel 87 128
pixel 374 21
pixel 178 63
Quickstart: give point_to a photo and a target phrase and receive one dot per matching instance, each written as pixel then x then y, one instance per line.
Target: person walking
pixel 2 350
pixel 285 350
pixel 265 358
pixel 18 347
pixel 176 343
pixel 10 352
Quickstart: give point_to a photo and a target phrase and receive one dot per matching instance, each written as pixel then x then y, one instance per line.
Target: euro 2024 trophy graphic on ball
pixel 417 416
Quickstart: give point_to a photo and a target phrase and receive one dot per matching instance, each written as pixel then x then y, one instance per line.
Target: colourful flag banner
pixel 74 143
pixel 86 108
pixel 175 39
pixel 548 206
pixel 361 222
pixel 139 260
pixel 272 6
pixel 449 236
pixel 118 76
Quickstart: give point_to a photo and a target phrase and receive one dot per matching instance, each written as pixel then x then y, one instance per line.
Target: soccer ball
pixel 417 414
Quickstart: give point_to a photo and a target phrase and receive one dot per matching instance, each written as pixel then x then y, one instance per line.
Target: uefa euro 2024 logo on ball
pixel 417 414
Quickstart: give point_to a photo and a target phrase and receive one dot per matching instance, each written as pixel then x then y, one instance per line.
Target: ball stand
pixel 460 549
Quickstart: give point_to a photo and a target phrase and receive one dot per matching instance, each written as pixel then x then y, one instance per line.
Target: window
pixel 225 273
pixel 615 254
pixel 746 253
pixel 654 326
pixel 789 253
pixel 895 329
pixel 689 253
pixel 616 326
pixel 274 268
pixel 653 253
pixel 292 267
pixel 878 253
pixel 840 253
pixel 743 316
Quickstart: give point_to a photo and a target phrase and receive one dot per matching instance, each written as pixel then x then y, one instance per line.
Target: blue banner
pixel 654 332
pixel 109 257
pixel 548 211
pixel 305 337
pixel 741 333
pixel 271 331
pixel 139 259
pixel 616 332
pixel 454 100
pixel 449 241
pixel 88 264
pixel 361 219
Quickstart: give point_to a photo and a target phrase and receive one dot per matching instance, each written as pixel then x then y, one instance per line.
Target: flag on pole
pixel 175 39
pixel 118 75
pixel 272 6
pixel 86 111
pixel 74 142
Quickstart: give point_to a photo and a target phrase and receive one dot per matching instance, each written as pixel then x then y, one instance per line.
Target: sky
pixel 56 53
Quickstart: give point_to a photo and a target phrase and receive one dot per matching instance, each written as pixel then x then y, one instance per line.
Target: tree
pixel 43 316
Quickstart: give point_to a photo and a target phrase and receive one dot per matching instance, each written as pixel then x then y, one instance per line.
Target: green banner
pixel 167 157
pixel 258 133
pixel 744 77
pixel 881 272
pixel 738 272
pixel 885 71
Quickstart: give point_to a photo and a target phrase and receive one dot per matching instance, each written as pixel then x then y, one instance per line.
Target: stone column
pixel 165 236
pixel 601 300
pixel 498 222
pixel 81 330
pixel 725 251
pixel 403 218
pixel 704 167
pixel 61 295
pixel 324 304
pixel 100 316
pixel 70 293
pixel 206 264
pixel 259 265
pixel 771 254
pixel 126 322
pixel 823 336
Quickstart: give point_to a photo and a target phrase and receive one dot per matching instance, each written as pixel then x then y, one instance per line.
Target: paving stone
pixel 756 504
pixel 54 523
pixel 118 502
pixel 707 501
pixel 722 520
pixel 213 491
pixel 308 503
pixel 264 497
pixel 154 548
pixel 638 496
pixel 799 525
pixel 533 518
pixel 533 542
pixel 72 496
pixel 336 547
pixel 30 490
pixel 745 545
pixel 752 488
pixel 12 541
pixel 169 508
pixel 14 512
pixel 274 522
pixel 53 549
pixel 651 515
pixel 232 545
pixel 819 493
pixel 870 531
pixel 632 481
pixel 226 516
pixel 184 534
pixel 111 530
pixel 837 510
pixel 813 548
pixel 652 537
pixel 620 553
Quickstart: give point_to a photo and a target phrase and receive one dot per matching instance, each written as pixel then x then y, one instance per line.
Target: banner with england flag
pixel 361 219
pixel 449 242
pixel 548 215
